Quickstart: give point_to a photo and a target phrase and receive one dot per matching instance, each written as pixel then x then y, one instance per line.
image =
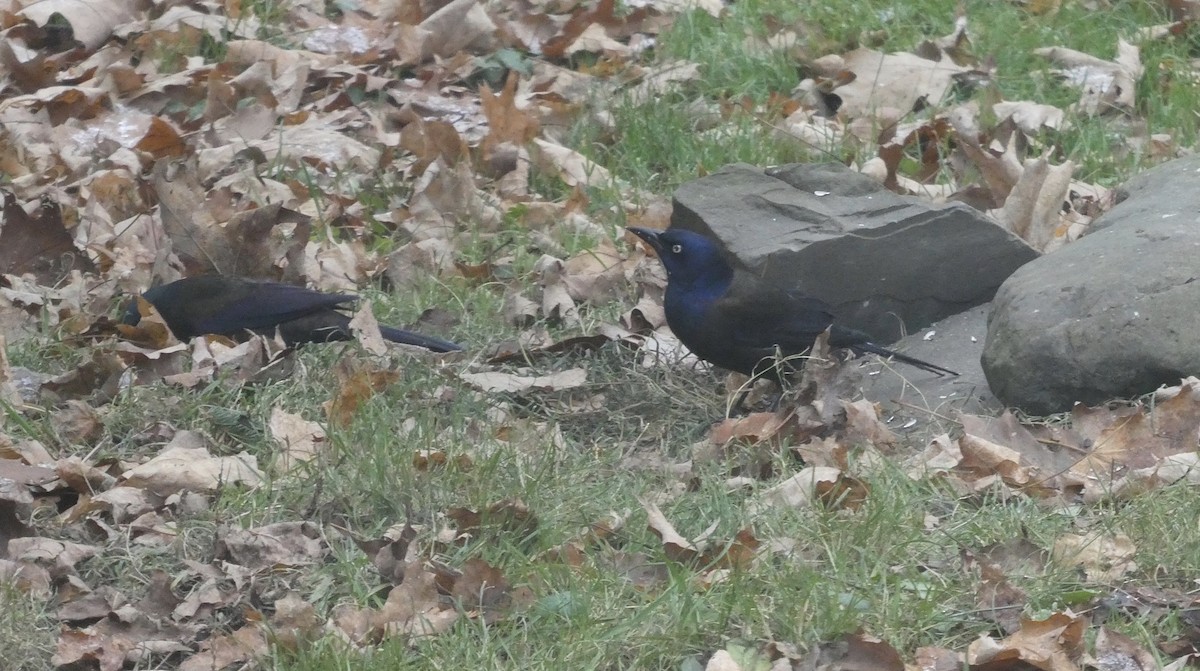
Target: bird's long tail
pixel 864 347
pixel 409 338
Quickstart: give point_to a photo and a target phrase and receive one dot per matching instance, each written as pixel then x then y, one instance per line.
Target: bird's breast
pixel 694 324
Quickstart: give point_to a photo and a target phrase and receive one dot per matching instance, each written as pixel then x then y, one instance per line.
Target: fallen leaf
pixel 299 440
pixel 1104 558
pixel 186 464
pixel 816 485
pixel 511 383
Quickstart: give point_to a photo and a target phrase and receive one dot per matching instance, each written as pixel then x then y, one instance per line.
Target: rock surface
pixel 888 264
pixel 1114 314
pixel 912 398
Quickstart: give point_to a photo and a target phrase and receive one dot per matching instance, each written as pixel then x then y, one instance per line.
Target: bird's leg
pixel 738 406
pixel 738 400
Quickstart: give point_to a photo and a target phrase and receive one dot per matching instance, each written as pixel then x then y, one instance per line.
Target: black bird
pixel 231 306
pixel 734 320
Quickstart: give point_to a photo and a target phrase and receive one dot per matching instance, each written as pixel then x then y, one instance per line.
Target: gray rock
pixel 888 264
pixel 1114 314
pixel 906 393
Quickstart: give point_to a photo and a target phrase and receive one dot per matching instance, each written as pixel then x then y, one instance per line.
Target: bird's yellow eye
pixel 675 249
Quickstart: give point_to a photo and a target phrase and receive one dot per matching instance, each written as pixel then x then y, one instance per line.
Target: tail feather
pixel 409 338
pixel 863 347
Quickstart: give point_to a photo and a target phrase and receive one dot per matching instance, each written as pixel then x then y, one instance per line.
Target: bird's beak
pixel 649 235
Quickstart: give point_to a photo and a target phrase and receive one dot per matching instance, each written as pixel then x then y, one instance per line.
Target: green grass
pixel 894 567
pixel 28 631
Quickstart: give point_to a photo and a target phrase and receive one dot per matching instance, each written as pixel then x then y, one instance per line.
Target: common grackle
pixel 231 306
pixel 731 318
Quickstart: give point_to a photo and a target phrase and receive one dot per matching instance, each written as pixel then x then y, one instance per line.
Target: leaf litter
pixel 253 165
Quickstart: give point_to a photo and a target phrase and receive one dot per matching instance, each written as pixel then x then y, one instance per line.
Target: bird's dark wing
pixel 265 305
pixel 232 306
pixel 767 317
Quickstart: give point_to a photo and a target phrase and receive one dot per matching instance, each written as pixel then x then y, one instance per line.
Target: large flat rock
pixel 1114 314
pixel 888 264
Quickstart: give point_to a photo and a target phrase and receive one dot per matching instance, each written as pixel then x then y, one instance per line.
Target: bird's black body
pixel 233 306
pixel 734 320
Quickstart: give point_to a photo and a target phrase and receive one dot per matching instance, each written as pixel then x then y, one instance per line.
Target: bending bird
pixel 735 320
pixel 231 306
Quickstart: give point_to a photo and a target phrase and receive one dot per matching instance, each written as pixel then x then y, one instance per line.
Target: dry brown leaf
pixel 84 477
pixel 84 646
pixel 16 504
pixel 596 275
pixel 1033 209
pixel 425 460
pixel 413 608
pixel 930 658
pixel 194 234
pixel 1031 117
pixel 998 600
pixel 557 304
pixel 573 168
pixel 294 622
pixel 572 550
pixel 738 554
pixel 433 139
pixel 864 428
pixel 816 485
pixel 366 330
pixel 274 545
pixel 1108 86
pixel 299 440
pixel 646 316
pixel 858 650
pixel 78 423
pixel 39 244
pixel 511 515
pixel 1114 650
pixel 758 427
pixel 28 578
pixel 1135 438
pixel 1104 558
pixel 56 555
pixel 635 568
pixel 1172 469
pixel 511 383
pixel 358 382
pixel 9 396
pixel 221 651
pixel 445 198
pixel 416 261
pixel 125 504
pixel 662 78
pixel 896 81
pixel 1000 166
pixel 481 586
pixel 186 464
pixel 151 330
pixel 675 547
pixel 595 39
pixel 458 25
pixel 518 310
pixel 983 458
pixel 91 23
pixel 1002 446
pixel 508 124
pixel 31 452
pixel 1051 644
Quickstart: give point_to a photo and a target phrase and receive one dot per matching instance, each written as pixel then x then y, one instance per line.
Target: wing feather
pixel 268 304
pixel 766 317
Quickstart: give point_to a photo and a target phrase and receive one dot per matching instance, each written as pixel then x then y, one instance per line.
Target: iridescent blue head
pixel 694 263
